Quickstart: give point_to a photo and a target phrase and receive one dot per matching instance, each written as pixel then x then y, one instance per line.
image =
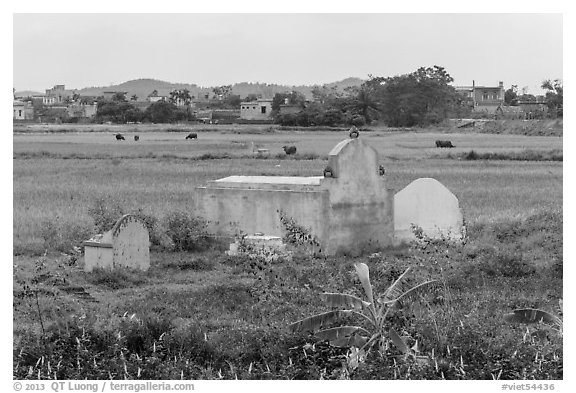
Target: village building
pixel 57 95
pixel 260 109
pixel 22 110
pixel 483 98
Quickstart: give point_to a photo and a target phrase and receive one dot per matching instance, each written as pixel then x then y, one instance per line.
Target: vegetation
pixel 376 311
pixel 207 315
pixel 554 96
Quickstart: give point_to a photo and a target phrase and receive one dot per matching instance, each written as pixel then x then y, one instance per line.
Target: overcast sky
pixel 83 50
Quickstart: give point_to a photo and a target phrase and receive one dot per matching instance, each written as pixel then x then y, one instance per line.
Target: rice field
pixel 205 315
pixel 60 175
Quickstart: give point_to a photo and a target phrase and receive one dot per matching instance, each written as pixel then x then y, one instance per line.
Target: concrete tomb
pixel 348 210
pixel 429 205
pixel 127 244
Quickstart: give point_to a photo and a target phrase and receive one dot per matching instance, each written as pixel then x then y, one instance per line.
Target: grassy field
pixel 221 318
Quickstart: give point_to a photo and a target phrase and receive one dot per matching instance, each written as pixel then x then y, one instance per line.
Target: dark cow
pixel 136 138
pixel 354 132
pixel 381 170
pixel 119 137
pixel 444 144
pixel 289 149
pixel 192 135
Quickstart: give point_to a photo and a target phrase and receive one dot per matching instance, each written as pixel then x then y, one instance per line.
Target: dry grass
pixel 235 323
pixel 159 173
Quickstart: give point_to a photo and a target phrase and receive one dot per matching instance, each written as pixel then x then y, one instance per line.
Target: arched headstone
pixel 127 244
pixel 429 205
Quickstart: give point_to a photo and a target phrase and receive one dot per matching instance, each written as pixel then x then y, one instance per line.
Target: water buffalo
pixel 136 138
pixel 444 144
pixel 354 132
pixel 289 149
pixel 119 137
pixel 192 135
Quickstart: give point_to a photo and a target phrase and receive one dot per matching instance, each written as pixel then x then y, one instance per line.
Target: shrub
pixel 63 236
pixel 186 232
pixel 105 211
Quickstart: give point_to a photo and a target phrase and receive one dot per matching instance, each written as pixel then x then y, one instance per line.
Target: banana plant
pixel 532 315
pixel 373 312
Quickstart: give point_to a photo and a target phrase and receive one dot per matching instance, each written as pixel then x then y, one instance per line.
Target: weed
pixel 63 236
pixel 118 278
pixel 298 236
pixel 105 211
pixel 186 232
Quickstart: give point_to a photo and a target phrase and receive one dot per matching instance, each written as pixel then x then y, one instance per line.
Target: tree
pixel 183 96
pixel 554 96
pixel 292 98
pixel 117 111
pixel 222 91
pixel 421 98
pixel 161 112
pixel 511 95
pixel 364 101
pixel 251 97
pixel 134 97
pixel 232 101
pixel 119 97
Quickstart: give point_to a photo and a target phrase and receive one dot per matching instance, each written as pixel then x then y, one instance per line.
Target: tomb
pixel 127 244
pixel 346 211
pixel 428 205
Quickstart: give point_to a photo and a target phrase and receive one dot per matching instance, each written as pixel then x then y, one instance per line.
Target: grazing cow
pixel 136 138
pixel 119 137
pixel 381 170
pixel 444 144
pixel 289 149
pixel 192 135
pixel 354 132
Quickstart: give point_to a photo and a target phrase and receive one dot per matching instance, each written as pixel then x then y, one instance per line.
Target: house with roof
pixel 260 109
pixel 57 95
pixel 483 98
pixel 22 110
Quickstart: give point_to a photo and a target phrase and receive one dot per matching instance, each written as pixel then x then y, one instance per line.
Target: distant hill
pixel 143 87
pixel 27 93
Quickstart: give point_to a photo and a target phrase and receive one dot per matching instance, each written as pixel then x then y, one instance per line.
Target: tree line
pixel 421 98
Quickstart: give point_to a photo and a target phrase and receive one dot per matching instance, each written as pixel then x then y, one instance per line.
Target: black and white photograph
pixel 312 196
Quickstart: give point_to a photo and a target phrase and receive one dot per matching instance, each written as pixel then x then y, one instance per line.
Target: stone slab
pixel 268 182
pixel 127 244
pixel 428 204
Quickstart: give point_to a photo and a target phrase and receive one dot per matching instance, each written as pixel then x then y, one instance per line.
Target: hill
pixel 143 87
pixel 27 93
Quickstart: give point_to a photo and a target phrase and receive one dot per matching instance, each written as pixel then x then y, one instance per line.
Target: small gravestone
pixel 259 245
pixel 428 205
pixel 127 244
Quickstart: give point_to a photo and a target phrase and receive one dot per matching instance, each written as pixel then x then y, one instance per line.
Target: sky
pixel 84 50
